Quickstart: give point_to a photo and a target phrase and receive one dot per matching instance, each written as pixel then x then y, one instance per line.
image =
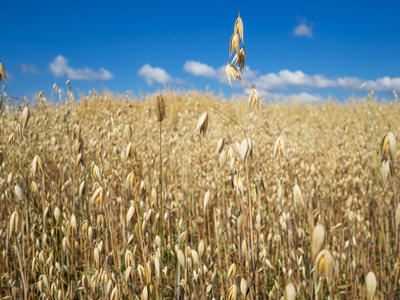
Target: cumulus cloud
pixel 199 69
pixel 286 78
pixel 299 79
pixel 304 28
pixel 59 67
pixel 383 84
pixel 293 79
pixel 156 74
pixel 26 68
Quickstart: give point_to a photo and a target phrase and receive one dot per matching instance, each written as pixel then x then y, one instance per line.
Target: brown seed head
pixel 160 108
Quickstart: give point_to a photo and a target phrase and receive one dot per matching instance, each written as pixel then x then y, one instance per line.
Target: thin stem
pixel 161 214
pixel 244 96
pixel 178 280
pixel 228 117
pixel 252 262
pixel 139 227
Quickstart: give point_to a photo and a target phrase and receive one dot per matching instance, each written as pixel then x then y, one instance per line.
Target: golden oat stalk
pixel 160 114
pixel 160 108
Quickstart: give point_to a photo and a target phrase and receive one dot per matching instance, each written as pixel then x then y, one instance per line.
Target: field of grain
pixel 81 199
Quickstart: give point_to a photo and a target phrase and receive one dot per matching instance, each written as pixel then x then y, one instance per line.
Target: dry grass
pixel 80 218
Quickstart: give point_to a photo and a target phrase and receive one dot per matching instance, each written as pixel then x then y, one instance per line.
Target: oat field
pixel 292 201
pixel 192 196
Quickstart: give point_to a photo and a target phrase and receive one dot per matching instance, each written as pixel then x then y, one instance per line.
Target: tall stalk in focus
pixel 160 111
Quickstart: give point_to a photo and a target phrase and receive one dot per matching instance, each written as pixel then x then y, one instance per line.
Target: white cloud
pixel 156 74
pixel 383 84
pixel 25 69
pixel 198 69
pixel 297 79
pixel 285 78
pixel 59 67
pixel 304 28
pixel 249 74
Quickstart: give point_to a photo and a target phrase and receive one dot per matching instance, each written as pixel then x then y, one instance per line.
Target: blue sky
pixel 313 49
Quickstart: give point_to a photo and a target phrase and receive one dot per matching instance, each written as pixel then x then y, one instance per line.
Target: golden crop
pixel 80 211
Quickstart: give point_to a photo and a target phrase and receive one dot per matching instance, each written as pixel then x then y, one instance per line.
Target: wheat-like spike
pixel 160 108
